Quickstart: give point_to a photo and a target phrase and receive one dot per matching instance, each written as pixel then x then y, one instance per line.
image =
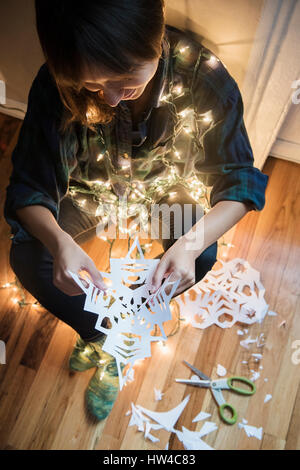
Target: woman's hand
pixel 177 260
pixel 70 256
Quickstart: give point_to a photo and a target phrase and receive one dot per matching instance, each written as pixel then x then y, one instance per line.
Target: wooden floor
pixel 42 402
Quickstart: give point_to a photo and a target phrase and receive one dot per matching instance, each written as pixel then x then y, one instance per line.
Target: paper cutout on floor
pixel 191 440
pixel 255 375
pixel 201 416
pixel 245 343
pixel 225 296
pixel 157 394
pixel 165 420
pixel 128 313
pixel 169 418
pixel 267 398
pixel 251 431
pixel 221 371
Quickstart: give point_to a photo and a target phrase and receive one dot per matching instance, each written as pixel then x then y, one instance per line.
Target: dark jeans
pixel 33 265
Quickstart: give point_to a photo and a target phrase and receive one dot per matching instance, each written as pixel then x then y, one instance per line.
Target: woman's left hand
pixel 179 261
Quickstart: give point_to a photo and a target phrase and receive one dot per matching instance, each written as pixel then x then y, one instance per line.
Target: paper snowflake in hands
pixel 225 296
pixel 130 311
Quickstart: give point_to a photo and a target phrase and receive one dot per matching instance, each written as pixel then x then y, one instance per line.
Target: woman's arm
pixel 40 222
pixel 180 257
pixel 67 254
pixel 221 218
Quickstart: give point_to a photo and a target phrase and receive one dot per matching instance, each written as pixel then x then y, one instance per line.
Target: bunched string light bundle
pixel 139 194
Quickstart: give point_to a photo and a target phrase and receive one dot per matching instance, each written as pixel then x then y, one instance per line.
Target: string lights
pixel 139 192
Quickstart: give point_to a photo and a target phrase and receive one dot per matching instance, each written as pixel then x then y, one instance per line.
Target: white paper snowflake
pixel 130 312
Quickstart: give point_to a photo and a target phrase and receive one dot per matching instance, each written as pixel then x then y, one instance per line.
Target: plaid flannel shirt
pixel 194 124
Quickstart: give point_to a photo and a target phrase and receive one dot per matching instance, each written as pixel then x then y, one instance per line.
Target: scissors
pixel 216 386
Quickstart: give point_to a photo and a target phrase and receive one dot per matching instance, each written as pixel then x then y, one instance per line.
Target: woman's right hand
pixel 68 255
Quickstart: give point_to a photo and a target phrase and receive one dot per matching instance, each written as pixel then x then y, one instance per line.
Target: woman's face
pixel 114 88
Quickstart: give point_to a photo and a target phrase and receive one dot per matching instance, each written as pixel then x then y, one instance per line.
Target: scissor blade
pixel 196 383
pixel 197 371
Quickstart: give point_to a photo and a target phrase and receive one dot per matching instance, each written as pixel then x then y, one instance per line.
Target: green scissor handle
pixel 241 391
pixel 231 420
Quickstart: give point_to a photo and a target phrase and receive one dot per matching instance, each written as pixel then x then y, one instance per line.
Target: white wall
pixel 20 52
pixel 287 144
pixel 227 27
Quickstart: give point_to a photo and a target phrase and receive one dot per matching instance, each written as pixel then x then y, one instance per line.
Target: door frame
pixel 273 69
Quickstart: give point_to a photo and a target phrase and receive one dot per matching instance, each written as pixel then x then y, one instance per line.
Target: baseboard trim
pixel 18 108
pixel 286 150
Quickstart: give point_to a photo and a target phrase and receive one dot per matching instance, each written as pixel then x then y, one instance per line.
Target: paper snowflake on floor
pixel 129 308
pixel 225 296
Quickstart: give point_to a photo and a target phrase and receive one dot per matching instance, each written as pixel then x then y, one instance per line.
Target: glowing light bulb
pixel 183 49
pixel 177 90
pixel 100 156
pixel 184 112
pixel 213 60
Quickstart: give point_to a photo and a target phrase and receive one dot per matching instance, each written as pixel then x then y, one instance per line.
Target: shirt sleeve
pixel 39 175
pixel 225 159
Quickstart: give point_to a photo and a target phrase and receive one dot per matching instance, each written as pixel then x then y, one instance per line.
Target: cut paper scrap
pixel 167 419
pixel 267 398
pixel 128 314
pixel 225 296
pixel 251 431
pixel 245 343
pixel 255 375
pixel 158 394
pixel 191 440
pixel 201 416
pixel 221 371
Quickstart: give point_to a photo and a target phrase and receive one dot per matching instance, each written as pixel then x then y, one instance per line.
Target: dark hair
pixel 76 34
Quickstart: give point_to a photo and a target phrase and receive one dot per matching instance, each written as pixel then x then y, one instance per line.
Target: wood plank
pixel 270 442
pixel 293 436
pixel 42 403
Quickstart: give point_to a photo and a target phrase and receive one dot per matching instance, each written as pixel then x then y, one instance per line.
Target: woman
pixel 122 106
